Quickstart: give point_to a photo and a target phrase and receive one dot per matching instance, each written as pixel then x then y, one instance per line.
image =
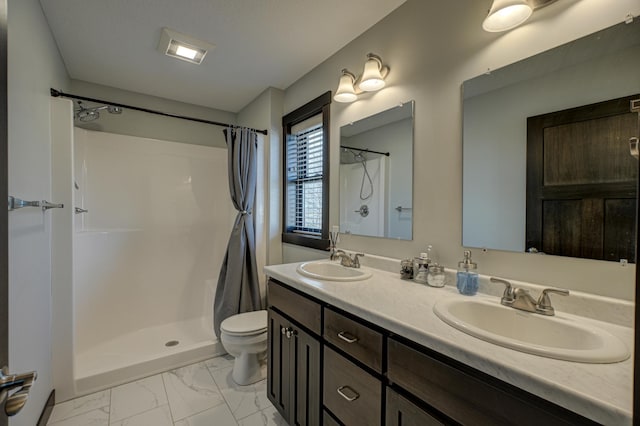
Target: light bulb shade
pixel 346 92
pixel 506 14
pixel 374 73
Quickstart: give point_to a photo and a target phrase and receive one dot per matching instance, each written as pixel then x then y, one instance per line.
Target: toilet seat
pixel 245 324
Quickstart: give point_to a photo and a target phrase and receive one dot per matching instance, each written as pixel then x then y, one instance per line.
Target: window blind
pixel 304 166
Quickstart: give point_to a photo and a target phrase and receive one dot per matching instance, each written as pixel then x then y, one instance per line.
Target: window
pixel 306 174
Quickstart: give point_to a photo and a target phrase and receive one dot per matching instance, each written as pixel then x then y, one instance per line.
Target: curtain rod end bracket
pixel 55 93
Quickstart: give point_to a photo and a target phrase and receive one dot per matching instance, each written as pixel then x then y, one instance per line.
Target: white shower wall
pixel 352 186
pixel 148 252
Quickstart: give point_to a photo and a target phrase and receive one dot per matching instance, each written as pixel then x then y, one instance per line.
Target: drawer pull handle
pixel 352 398
pixel 347 337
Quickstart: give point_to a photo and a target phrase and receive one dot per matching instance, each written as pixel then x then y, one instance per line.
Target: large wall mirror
pixel 376 174
pixel 546 162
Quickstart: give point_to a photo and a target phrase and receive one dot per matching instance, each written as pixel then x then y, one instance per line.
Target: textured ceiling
pixel 259 43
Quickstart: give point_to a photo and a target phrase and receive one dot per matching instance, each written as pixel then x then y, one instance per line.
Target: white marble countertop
pixel 601 392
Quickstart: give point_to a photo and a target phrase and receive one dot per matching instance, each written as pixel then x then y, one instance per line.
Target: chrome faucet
pixel 520 298
pixel 348 261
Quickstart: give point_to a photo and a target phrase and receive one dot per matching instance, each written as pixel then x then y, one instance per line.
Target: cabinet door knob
pixel 354 395
pixel 347 337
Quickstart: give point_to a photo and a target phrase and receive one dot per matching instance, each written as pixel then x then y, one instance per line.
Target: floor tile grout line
pixel 143 412
pixel 166 394
pixel 109 412
pixel 222 394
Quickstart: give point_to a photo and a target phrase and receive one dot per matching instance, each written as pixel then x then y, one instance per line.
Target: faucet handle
pixel 356 261
pixel 507 296
pixel 544 302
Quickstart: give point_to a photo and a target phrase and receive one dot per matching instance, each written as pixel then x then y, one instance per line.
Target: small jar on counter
pixel 421 268
pixel 406 269
pixel 436 276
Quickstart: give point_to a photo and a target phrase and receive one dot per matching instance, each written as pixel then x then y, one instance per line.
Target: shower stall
pixel 149 221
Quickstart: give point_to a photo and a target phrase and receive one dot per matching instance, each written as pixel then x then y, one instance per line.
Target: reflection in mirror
pixel 546 163
pixel 376 174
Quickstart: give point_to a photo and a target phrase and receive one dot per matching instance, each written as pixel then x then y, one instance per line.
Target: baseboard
pixel 48 408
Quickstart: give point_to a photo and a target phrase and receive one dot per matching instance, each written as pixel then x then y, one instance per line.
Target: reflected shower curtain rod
pixel 365 150
pixel 60 94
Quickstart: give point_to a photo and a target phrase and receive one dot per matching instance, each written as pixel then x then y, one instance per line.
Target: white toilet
pixel 244 336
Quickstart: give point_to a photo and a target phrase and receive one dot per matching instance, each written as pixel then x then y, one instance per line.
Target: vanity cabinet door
pixel 278 362
pixel 402 412
pixel 305 379
pixel 293 371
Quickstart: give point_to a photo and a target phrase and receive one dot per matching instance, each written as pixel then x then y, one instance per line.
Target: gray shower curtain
pixel 238 289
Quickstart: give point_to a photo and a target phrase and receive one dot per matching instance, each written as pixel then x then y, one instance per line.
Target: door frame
pixel 4 226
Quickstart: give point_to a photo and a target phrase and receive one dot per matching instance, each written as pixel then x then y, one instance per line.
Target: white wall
pixel 431 47
pixel 34 66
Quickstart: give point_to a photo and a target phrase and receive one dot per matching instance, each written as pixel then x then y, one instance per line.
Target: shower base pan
pixel 143 353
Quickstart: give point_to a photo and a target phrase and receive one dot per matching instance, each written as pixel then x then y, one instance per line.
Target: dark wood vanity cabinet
pixel 466 395
pixel 329 367
pixel 402 412
pixel 293 361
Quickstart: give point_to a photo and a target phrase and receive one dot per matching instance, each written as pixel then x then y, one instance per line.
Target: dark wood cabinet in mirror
pixel 537 176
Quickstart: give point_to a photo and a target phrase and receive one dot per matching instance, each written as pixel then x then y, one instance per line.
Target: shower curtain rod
pixel 60 94
pixel 365 150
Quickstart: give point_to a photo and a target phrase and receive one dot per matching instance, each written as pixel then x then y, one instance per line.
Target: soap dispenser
pixel 467 277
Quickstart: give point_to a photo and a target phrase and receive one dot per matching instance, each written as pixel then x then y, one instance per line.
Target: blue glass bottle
pixel 467 277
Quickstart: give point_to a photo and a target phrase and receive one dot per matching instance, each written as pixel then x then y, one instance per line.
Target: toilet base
pixel 247 369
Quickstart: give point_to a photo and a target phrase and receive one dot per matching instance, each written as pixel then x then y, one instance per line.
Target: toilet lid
pixel 246 323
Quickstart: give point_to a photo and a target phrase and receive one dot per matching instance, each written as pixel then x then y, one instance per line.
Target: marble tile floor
pixel 201 394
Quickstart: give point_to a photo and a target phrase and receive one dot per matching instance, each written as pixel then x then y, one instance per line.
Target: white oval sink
pixel 559 337
pixel 332 271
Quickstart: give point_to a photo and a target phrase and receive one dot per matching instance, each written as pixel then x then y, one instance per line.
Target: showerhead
pixel 349 156
pixel 85 114
pixel 89 114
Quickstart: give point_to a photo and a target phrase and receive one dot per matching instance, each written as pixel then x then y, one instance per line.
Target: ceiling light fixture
pixel 372 79
pixel 505 15
pixel 182 46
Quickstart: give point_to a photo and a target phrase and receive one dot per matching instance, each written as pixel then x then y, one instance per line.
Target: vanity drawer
pixel 469 396
pixel 300 308
pixel 356 339
pixel 350 393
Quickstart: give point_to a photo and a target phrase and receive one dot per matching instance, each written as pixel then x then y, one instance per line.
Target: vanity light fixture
pixel 505 15
pixel 374 74
pixel 372 79
pixel 182 46
pixel 346 91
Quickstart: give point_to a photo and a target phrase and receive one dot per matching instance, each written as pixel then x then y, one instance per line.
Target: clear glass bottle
pixel 436 276
pixel 467 277
pixel 421 268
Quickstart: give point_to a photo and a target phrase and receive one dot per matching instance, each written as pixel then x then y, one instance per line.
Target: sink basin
pixel 332 271
pixel 560 337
